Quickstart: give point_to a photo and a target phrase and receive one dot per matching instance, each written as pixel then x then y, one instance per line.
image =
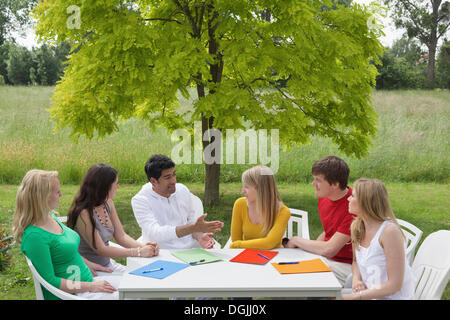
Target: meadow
pixel 409 154
pixel 412 144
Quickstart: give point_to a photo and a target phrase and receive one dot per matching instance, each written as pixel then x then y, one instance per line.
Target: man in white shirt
pixel 164 210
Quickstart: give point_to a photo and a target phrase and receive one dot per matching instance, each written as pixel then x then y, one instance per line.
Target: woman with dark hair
pixel 95 218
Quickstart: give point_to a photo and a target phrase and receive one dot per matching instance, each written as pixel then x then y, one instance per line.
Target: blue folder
pixel 168 268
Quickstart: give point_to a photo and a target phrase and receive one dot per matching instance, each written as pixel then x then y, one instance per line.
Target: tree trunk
pixel 431 64
pixel 212 171
pixel 432 44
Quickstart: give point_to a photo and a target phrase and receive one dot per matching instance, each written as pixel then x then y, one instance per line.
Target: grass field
pixel 410 154
pixel 412 144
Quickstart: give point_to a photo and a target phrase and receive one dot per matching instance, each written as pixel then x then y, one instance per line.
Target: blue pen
pixel 195 262
pixel 152 270
pixel 263 256
pixel 293 262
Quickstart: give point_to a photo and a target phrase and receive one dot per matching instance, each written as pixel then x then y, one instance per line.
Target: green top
pixel 55 256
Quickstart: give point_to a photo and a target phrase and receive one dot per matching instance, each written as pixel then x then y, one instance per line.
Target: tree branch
pixel 163 19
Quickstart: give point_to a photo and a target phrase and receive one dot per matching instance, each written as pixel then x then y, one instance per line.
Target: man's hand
pixel 207 226
pixel 206 240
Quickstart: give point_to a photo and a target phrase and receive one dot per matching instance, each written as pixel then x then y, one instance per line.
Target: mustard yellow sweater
pixel 245 234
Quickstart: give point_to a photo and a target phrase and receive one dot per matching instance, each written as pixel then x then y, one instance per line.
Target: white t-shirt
pixel 159 216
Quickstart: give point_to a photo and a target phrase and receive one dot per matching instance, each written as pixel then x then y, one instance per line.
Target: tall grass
pixel 412 143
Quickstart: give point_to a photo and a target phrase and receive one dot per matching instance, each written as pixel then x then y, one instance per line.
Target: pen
pixel 195 262
pixel 263 256
pixel 152 270
pixel 293 262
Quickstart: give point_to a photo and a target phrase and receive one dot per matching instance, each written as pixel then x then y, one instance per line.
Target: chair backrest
pixel 198 205
pixel 413 235
pixel 198 208
pixel 38 281
pixel 298 224
pixel 431 266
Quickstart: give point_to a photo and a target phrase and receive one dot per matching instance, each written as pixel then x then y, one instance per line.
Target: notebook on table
pixel 254 256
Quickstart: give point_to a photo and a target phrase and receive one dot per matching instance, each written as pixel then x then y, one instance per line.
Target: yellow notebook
pixel 307 266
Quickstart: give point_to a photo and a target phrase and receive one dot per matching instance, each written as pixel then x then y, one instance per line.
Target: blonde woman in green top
pixel 51 246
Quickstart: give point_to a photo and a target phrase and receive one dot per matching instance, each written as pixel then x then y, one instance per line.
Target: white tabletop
pixel 229 279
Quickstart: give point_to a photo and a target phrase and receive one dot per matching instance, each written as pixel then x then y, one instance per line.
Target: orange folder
pixel 307 266
pixel 254 256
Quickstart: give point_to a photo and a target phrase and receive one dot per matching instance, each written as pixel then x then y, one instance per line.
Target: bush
pixel 5 245
pixel 443 67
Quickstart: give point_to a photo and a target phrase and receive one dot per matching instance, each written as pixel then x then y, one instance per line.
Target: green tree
pixel 19 64
pixel 426 20
pixel 443 66
pixel 130 59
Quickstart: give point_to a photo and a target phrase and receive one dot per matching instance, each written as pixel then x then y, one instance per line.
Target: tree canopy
pixel 131 59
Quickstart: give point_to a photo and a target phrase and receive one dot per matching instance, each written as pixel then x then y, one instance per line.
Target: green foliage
pixel 403 66
pixel 18 65
pixel 443 66
pixel 131 61
pixel 40 66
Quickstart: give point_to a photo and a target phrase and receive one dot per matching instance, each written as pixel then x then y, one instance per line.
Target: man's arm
pixel 327 249
pixel 199 226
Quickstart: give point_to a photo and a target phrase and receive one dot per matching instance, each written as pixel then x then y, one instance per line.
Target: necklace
pixel 106 220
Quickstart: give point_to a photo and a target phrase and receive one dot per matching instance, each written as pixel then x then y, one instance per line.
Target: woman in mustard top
pixel 260 218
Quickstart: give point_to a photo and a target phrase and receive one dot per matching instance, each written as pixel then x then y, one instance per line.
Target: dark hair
pixel 334 170
pixel 156 164
pixel 93 192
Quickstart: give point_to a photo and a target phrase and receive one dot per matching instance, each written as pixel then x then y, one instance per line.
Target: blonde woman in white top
pixel 380 268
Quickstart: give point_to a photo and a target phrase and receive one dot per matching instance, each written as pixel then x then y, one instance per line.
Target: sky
pixel 391 33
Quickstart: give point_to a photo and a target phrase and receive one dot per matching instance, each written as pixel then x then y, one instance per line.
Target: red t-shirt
pixel 335 217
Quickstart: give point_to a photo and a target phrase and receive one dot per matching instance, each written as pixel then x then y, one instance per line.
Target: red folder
pixel 254 256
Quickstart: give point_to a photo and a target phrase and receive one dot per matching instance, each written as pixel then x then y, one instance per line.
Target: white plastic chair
pixel 297 225
pixel 431 266
pixel 39 281
pixel 298 219
pixel 198 208
pixel 413 235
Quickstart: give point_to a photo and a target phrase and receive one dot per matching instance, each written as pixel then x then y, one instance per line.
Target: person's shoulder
pixel 285 210
pixel 182 189
pixel 241 201
pixel 392 229
pixel 33 235
pixel 391 232
pixel 143 192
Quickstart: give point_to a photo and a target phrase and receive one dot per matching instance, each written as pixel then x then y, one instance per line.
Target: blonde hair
pixel 32 200
pixel 373 202
pixel 268 200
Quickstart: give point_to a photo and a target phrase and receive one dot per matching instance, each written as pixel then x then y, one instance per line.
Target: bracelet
pixel 360 295
pixel 139 251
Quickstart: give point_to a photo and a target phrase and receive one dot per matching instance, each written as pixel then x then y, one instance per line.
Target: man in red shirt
pixel 330 182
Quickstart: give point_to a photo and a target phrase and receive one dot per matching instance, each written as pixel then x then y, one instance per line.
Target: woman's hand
pixel 358 285
pixel 96 267
pixel 149 250
pixel 101 286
